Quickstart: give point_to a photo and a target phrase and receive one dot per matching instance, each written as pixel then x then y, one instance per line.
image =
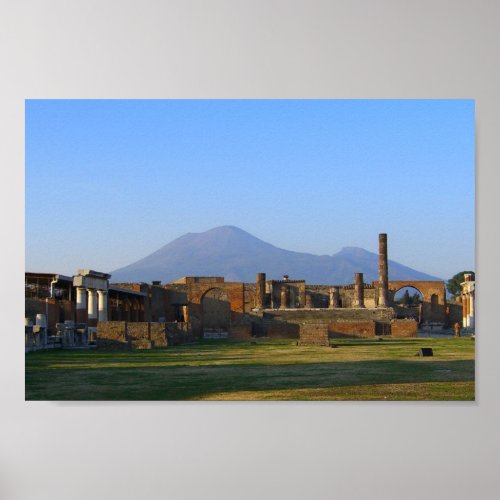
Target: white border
pixel 248 49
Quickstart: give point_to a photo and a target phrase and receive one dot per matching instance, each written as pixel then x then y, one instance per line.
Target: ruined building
pixel 89 310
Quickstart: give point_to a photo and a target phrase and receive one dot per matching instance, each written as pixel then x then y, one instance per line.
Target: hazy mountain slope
pixel 237 255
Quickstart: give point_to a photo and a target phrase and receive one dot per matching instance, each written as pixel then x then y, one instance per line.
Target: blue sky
pixel 111 181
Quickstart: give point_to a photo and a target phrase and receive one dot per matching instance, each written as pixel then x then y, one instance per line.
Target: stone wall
pixel 138 331
pixel 179 333
pixel 157 334
pixel 134 335
pixel 315 334
pixel 250 291
pixel 403 328
pixel 112 334
pixel 329 315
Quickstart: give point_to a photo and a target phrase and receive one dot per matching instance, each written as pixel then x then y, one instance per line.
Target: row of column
pixel 93 310
pixel 358 300
pixel 334 294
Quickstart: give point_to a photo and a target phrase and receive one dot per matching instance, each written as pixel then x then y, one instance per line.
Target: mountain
pixel 238 256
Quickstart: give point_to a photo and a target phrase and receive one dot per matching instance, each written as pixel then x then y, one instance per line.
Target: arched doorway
pixel 408 302
pixel 216 313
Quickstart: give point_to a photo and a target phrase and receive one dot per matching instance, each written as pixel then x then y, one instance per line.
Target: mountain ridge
pixel 237 255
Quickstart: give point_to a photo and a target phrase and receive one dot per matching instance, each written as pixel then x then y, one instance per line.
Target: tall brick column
pixel 383 271
pixel 260 291
pixel 81 305
pixel 359 291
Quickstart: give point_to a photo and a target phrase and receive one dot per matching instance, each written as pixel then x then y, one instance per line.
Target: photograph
pixel 250 250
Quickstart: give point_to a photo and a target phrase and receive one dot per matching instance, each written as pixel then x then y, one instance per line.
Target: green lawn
pixel 259 370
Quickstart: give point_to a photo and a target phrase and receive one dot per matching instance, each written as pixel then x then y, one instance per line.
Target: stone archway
pixel 215 313
pixel 407 310
pixel 434 298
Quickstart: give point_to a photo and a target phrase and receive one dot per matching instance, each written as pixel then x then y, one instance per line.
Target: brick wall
pixel 314 334
pixel 403 328
pixel 339 329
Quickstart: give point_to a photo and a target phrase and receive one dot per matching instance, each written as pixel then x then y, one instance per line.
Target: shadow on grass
pixel 193 382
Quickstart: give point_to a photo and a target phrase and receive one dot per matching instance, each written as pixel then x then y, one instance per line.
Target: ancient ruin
pixel 86 310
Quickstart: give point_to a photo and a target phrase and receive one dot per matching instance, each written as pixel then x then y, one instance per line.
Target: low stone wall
pixel 403 328
pixel 179 333
pixel 314 334
pixel 138 331
pixel 158 335
pixel 134 335
pixel 112 334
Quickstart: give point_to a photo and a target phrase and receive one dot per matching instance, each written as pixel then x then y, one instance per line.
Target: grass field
pixel 259 370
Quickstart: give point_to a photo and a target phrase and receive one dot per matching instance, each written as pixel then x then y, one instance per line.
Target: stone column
pixel 334 297
pixel 260 291
pixel 472 320
pixel 467 310
pixel 464 310
pixel 92 308
pixel 81 305
pixel 102 297
pixel 359 291
pixel 283 301
pixel 383 271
